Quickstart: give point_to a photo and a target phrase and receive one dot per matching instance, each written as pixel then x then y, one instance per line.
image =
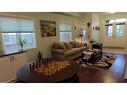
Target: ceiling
pixel 82 14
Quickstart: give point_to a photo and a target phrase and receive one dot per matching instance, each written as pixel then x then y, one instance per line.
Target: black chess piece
pixel 39 64
pixel 43 61
pixel 50 59
pixel 33 65
pixel 39 57
pixel 30 66
pixel 36 62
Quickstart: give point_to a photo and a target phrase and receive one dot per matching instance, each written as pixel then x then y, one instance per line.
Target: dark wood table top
pixel 26 75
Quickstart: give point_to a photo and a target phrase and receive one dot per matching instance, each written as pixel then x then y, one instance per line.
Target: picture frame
pixel 48 28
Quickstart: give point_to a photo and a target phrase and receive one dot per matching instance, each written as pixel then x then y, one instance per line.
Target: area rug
pixel 104 64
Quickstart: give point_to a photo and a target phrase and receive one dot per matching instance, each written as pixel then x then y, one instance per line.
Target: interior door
pixel 108 38
pixel 119 39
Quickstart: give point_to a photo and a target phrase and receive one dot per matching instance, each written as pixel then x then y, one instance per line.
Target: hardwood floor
pixel 115 74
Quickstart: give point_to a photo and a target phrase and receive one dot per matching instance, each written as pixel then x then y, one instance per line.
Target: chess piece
pixel 30 66
pixel 43 61
pixel 36 62
pixel 33 65
pixel 50 60
pixel 39 57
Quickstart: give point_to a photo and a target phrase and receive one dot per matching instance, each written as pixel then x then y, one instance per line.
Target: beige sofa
pixel 67 50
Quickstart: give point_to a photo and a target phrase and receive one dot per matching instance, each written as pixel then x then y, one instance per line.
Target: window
pixel 120 29
pixel 118 20
pixel 9 42
pixel 121 20
pixel 14 28
pixel 110 21
pixel 65 32
pixel 119 25
pixel 84 35
pixel 108 30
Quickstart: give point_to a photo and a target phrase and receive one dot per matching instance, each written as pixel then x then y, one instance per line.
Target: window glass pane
pixel 108 30
pixel 84 35
pixel 30 40
pixel 65 32
pixel 111 21
pixel 10 42
pixel 121 20
pixel 120 30
pixel 65 36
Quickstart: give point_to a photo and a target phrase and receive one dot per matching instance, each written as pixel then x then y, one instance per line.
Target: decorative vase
pixel 21 48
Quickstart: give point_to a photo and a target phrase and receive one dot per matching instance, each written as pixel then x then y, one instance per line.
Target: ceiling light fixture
pixel 112 12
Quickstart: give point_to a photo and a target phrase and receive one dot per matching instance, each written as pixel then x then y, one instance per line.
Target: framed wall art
pixel 48 28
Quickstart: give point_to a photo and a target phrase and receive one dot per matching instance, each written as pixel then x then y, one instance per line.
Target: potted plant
pixel 21 43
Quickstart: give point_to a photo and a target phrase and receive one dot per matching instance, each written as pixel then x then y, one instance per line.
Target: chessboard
pixel 50 68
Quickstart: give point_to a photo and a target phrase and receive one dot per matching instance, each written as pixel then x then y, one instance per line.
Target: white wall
pixel 44 43
pixel 87 18
pixel 95 23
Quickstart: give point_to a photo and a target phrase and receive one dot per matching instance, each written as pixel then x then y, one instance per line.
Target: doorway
pixel 114 35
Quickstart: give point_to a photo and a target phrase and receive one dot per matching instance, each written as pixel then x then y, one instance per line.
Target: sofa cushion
pixel 75 49
pixel 59 50
pixel 80 44
pixel 62 46
pixel 73 44
pixel 69 52
pixel 78 49
pixel 68 45
pixel 77 44
pixel 55 45
pixel 82 48
pixel 59 46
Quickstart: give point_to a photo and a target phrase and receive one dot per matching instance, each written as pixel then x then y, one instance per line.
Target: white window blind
pixel 14 28
pixel 16 25
pixel 65 32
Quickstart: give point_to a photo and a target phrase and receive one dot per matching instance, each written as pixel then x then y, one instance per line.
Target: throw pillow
pixel 73 44
pixel 68 45
pixel 80 44
pixel 62 46
pixel 76 44
pixel 56 45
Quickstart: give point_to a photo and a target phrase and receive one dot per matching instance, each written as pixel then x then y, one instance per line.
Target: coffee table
pixel 92 56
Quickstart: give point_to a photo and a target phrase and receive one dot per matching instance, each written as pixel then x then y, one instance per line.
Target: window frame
pixel 106 32
pixel 121 33
pixel 114 22
pixel 19 17
pixel 69 23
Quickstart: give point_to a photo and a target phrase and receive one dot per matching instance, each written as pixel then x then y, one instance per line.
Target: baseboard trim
pixel 125 71
pixel 115 47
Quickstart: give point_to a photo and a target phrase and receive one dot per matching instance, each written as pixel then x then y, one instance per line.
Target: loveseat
pixel 67 50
